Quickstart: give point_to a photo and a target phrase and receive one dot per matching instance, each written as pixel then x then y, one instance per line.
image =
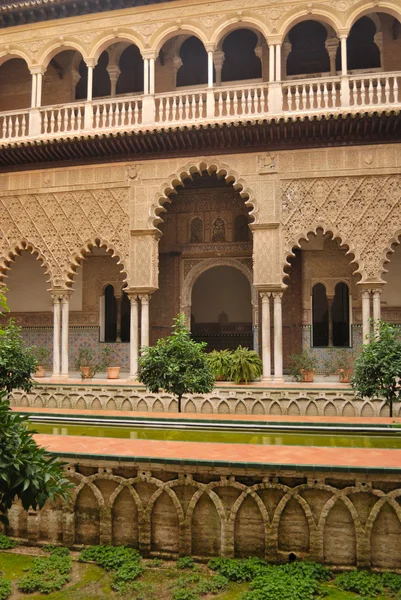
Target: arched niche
pixel 306 43
pixel 242 57
pixel 15 84
pixel 221 308
pixel 320 316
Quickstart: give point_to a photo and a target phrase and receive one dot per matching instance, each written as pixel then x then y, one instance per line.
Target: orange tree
pixel 176 364
pixel 26 471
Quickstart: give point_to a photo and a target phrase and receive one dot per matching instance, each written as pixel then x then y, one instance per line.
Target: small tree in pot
pixel 41 355
pixel 303 366
pixel 377 371
pixel 220 362
pixel 86 362
pixel 245 365
pixel 341 361
pixel 177 364
pixel 108 362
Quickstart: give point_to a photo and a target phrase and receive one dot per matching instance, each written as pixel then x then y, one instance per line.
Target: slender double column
pixel 278 335
pixel 136 300
pixel 375 293
pixel 61 311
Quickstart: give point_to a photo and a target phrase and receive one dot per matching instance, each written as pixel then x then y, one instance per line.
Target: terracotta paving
pixel 211 417
pixel 280 456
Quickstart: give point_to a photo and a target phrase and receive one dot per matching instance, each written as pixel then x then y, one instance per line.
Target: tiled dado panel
pixel 337 517
pixel 236 400
pixel 323 353
pixel 78 336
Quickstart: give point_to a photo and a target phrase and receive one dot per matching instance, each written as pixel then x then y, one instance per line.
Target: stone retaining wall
pixel 239 400
pixel 341 519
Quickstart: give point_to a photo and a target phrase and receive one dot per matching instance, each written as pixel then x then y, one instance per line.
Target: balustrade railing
pixel 62 119
pixel 14 125
pixel 310 95
pixel 321 94
pixel 184 106
pixel 375 89
pixel 241 101
pixel 116 113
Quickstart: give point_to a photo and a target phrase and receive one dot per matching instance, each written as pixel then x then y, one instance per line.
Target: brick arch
pixel 292 494
pixel 222 170
pixel 322 13
pixel 126 484
pixel 226 26
pixel 362 9
pixel 56 46
pixel 169 31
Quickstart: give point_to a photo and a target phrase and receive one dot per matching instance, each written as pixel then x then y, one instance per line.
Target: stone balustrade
pixel 320 96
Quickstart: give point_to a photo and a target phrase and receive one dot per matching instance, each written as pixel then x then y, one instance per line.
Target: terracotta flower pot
pixel 40 371
pixel 87 372
pixel 344 375
pixel 113 372
pixel 307 376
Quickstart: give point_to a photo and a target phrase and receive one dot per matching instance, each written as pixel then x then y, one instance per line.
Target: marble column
pixel 118 318
pixel 330 318
pixel 134 337
pixel 65 314
pixel 271 63
pixel 278 62
pixel 376 309
pixel 144 319
pixel 278 336
pixel 365 316
pixel 146 76
pixel 151 76
pixel 210 68
pixel 344 63
pixel 56 334
pixel 266 344
pixel 89 93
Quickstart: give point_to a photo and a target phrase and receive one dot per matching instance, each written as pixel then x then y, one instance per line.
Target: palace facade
pixel 236 161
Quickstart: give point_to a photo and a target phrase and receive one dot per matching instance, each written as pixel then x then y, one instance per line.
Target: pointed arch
pixel 177 179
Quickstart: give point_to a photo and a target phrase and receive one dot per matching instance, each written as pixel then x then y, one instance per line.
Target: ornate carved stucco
pixel 360 211
pixel 61 227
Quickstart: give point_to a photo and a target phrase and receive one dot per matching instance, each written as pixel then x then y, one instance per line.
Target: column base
pixel 278 379
pixel 267 378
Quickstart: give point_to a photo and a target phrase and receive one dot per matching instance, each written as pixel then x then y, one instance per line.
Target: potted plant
pixel 41 355
pixel 303 366
pixel 245 365
pixel 86 362
pixel 341 361
pixel 108 362
pixel 220 363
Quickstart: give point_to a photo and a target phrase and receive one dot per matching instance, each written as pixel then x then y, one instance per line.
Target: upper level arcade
pixel 208 70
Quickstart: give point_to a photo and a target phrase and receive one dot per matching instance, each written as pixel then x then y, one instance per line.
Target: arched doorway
pixel 221 309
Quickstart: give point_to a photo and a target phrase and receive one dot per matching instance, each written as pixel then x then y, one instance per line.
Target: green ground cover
pixel 120 574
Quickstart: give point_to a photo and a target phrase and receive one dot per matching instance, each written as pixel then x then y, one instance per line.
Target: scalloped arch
pixel 395 240
pixel 335 235
pixel 363 8
pixel 186 172
pixel 17 250
pixel 79 255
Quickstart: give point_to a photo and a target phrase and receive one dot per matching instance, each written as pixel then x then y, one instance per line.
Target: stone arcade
pixel 236 161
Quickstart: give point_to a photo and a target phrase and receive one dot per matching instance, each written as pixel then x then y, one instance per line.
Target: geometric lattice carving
pixel 363 212
pixel 60 226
